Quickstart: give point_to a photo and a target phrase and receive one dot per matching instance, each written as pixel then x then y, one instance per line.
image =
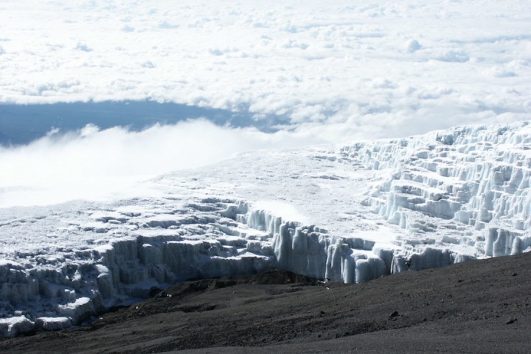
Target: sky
pixel 335 71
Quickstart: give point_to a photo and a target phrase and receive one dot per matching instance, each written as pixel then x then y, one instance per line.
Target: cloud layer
pixel 374 68
pixel 98 164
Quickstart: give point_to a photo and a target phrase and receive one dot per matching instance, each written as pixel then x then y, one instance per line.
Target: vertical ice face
pixel 473 179
pixel 121 256
pixel 207 238
pixel 313 252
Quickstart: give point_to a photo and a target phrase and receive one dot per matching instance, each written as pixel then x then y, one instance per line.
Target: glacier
pixel 338 213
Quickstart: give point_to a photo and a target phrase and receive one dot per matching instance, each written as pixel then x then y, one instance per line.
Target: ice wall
pixel 311 251
pixel 161 249
pixel 475 180
pixel 218 238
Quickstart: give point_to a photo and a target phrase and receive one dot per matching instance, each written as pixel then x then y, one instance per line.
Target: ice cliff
pixel 467 179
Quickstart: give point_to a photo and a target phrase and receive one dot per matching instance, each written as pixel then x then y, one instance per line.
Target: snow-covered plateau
pixel 350 213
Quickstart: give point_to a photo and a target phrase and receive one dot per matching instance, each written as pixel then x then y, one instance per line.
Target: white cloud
pixel 98 164
pixel 308 60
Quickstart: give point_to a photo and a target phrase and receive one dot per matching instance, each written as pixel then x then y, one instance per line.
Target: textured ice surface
pixel 350 214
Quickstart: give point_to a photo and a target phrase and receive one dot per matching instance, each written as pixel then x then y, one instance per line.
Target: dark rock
pixel 511 320
pixel 394 315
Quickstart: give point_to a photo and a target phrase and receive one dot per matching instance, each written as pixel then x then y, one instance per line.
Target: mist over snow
pixel 98 164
